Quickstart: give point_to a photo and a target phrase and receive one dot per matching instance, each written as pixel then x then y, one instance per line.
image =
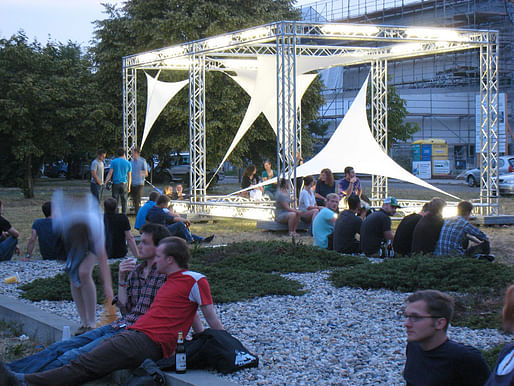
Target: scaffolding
pixel 287 40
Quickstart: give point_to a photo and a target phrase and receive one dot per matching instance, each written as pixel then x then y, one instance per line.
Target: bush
pixel 411 274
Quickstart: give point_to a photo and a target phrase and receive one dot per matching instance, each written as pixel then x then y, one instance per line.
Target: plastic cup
pixel 66 334
pixel 12 279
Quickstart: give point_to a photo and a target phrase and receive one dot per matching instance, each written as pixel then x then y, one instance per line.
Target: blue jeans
pixel 119 192
pixel 179 229
pixel 7 248
pixel 96 190
pixel 60 353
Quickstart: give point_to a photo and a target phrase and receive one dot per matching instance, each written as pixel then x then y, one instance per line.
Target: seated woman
pixel 324 186
pixel 269 190
pixel 249 179
pixel 284 214
pixel 308 205
pixel 168 191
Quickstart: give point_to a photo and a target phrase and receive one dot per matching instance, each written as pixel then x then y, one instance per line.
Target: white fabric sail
pixel 352 144
pixel 158 96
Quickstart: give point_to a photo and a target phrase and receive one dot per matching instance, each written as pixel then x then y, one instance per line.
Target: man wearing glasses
pixel 433 359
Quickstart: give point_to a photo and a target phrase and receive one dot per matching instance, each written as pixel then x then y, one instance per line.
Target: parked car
pixel 177 170
pixel 57 169
pixel 505 165
pixel 506 183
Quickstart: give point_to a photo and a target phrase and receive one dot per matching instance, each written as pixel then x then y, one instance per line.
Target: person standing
pixel 97 174
pixel 139 173
pixel 117 232
pixel 121 174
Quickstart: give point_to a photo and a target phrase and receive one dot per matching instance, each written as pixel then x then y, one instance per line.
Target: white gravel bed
pixel 327 336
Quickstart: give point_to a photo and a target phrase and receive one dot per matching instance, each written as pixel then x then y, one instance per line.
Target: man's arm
pixel 109 176
pixel 474 231
pixel 125 267
pixel 211 317
pixel 95 177
pixel 30 245
pixel 197 324
pixel 129 179
pixel 132 244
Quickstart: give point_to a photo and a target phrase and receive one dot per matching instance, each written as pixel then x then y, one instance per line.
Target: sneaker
pixel 7 377
pixel 207 240
pixel 489 258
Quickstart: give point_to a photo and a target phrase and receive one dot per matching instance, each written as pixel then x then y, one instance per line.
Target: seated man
pixel 402 241
pixel 432 358
pixel 348 225
pixel 427 230
pixel 178 226
pixel 376 228
pixel 457 232
pixel 117 231
pixel 137 287
pixel 51 246
pixel 153 335
pixel 350 184
pixel 8 238
pixel 323 224
pixel 143 211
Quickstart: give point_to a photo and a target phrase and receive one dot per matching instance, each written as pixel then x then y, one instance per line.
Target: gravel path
pixel 327 336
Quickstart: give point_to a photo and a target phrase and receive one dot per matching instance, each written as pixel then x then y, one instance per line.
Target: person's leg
pixel 179 229
pixel 136 193
pixel 48 358
pixel 482 248
pixel 115 190
pixel 123 197
pixel 125 350
pixel 95 190
pixel 85 295
pixel 7 248
pixel 293 219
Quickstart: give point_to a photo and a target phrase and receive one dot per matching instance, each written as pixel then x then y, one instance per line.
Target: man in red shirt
pixel 153 335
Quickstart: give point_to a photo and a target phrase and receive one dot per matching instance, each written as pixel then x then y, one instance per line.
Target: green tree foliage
pixel 397 129
pixel 48 107
pixel 142 25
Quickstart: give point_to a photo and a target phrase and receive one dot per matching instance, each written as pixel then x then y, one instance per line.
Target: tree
pixel 397 129
pixel 142 25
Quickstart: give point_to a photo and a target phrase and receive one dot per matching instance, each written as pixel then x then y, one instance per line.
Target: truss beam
pixel 129 110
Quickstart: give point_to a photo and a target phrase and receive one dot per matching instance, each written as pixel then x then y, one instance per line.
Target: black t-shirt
pixel 345 229
pixel 4 224
pixel 247 182
pixel 426 233
pixel 403 237
pixel 324 190
pixel 450 364
pixel 372 231
pixel 115 226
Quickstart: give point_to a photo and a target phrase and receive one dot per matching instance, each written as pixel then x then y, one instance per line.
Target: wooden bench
pixel 278 227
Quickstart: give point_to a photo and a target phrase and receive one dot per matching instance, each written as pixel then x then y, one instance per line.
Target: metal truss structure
pixel 354 44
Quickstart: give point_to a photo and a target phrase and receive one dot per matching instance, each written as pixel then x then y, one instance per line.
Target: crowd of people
pixel 159 296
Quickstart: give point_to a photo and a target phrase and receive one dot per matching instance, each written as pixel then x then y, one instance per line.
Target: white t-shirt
pixel 306 199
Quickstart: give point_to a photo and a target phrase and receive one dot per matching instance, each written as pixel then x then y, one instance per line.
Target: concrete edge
pixel 46 328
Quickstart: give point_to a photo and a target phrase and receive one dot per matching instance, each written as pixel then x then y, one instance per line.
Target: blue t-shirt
pixel 139 169
pixel 50 245
pixel 322 227
pixel 120 169
pixel 141 214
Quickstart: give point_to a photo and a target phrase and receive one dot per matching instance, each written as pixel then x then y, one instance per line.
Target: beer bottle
pixel 180 355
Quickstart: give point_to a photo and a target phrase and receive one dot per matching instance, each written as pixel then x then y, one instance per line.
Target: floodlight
pixel 219 42
pixel 433 34
pixel 349 29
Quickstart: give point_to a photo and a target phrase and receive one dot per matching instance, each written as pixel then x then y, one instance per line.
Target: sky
pixel 62 20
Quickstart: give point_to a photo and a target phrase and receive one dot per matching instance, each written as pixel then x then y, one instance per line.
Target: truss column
pixel 197 130
pixel 488 152
pixel 379 184
pixel 288 117
pixel 129 110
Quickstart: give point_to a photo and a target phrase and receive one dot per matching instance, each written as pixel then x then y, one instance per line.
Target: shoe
pixel 7 377
pixel 82 329
pixel 207 240
pixel 489 258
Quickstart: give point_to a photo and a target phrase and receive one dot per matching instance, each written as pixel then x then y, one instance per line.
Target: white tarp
pixel 158 95
pixel 352 144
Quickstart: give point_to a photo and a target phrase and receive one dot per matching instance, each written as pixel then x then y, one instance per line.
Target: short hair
pixel 425 207
pixel 464 208
pixel 136 150
pixel 110 205
pixel 178 249
pixel 100 152
pixel 438 303
pixel 353 202
pixel 348 169
pixel 508 309
pixel 120 152
pixel 307 180
pixel 283 183
pixel 332 195
pixel 47 208
pixel 163 199
pixel 436 205
pixel 153 196
pixel 330 176
pixel 157 231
